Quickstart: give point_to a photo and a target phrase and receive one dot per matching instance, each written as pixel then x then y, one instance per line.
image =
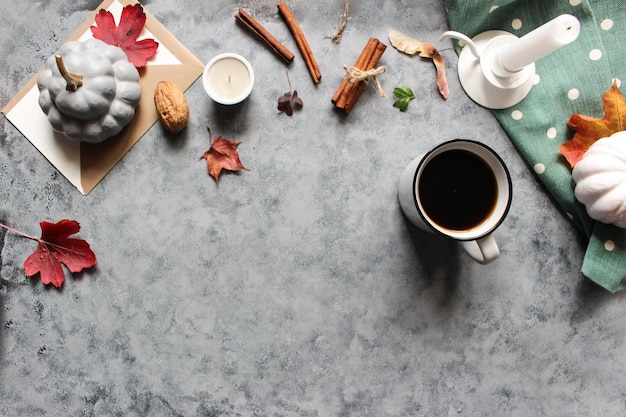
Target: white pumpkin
pixel 95 96
pixel 600 178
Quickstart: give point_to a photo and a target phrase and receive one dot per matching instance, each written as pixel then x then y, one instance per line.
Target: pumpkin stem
pixel 73 80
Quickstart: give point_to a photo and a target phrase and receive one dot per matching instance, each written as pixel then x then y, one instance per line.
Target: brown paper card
pixel 96 160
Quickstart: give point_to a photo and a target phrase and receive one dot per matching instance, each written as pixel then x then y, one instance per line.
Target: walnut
pixel 171 105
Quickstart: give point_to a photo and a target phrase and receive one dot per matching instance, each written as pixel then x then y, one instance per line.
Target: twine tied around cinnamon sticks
pixel 348 92
pixel 355 75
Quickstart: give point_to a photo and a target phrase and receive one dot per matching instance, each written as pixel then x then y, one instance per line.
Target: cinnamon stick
pixel 301 41
pixel 261 33
pixel 348 92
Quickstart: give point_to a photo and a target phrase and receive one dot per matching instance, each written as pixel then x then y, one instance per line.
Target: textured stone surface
pixel 296 288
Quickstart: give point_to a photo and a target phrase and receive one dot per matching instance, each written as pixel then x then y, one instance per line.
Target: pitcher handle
pixel 461 37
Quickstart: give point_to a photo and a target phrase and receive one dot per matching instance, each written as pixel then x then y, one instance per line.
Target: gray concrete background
pixel 296 288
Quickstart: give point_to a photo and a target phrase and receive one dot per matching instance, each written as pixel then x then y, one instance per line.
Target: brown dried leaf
pixel 442 82
pixel 404 43
pixel 410 46
pixel 222 155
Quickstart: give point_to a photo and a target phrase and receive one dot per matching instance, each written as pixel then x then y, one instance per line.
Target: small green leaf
pixel 404 95
pixel 398 92
pixel 402 104
pixel 402 92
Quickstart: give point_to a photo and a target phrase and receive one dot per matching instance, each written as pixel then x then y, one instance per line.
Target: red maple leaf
pixel 589 130
pixel 55 248
pixel 222 155
pixel 125 35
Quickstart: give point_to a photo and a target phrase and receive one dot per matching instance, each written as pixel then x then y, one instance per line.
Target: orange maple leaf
pixel 589 129
pixel 222 155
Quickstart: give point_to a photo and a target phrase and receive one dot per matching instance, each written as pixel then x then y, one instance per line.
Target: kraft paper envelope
pixel 83 164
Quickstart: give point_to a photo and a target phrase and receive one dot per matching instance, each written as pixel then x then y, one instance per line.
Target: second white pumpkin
pixel 600 178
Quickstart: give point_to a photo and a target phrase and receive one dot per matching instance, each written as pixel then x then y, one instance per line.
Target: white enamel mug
pixel 415 188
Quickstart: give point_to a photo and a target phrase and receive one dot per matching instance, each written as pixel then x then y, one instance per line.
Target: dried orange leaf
pixel 589 130
pixel 410 46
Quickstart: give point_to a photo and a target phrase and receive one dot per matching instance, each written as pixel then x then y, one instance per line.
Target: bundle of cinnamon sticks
pixel 348 92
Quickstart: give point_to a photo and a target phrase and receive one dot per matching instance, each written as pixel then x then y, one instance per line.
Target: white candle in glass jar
pixel 228 78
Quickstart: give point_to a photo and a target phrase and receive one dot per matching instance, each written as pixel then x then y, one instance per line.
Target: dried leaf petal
pixel 296 100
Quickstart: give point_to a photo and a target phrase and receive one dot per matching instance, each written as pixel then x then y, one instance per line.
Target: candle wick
pixel 229 78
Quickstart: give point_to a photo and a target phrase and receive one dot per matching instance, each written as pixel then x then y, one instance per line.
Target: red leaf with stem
pixel 125 34
pixel 56 247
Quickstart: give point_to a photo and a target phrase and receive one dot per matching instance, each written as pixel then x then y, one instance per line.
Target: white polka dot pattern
pixel 539 168
pixel 595 54
pixel 606 24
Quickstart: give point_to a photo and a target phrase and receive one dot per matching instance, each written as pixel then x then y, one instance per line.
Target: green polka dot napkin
pixel 570 80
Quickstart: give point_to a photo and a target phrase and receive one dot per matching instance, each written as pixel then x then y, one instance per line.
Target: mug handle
pixel 483 250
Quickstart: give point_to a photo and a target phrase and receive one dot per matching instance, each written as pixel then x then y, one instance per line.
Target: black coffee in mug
pixel 457 190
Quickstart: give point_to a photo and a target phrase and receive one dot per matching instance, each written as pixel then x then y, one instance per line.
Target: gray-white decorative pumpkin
pixel 600 178
pixel 89 90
